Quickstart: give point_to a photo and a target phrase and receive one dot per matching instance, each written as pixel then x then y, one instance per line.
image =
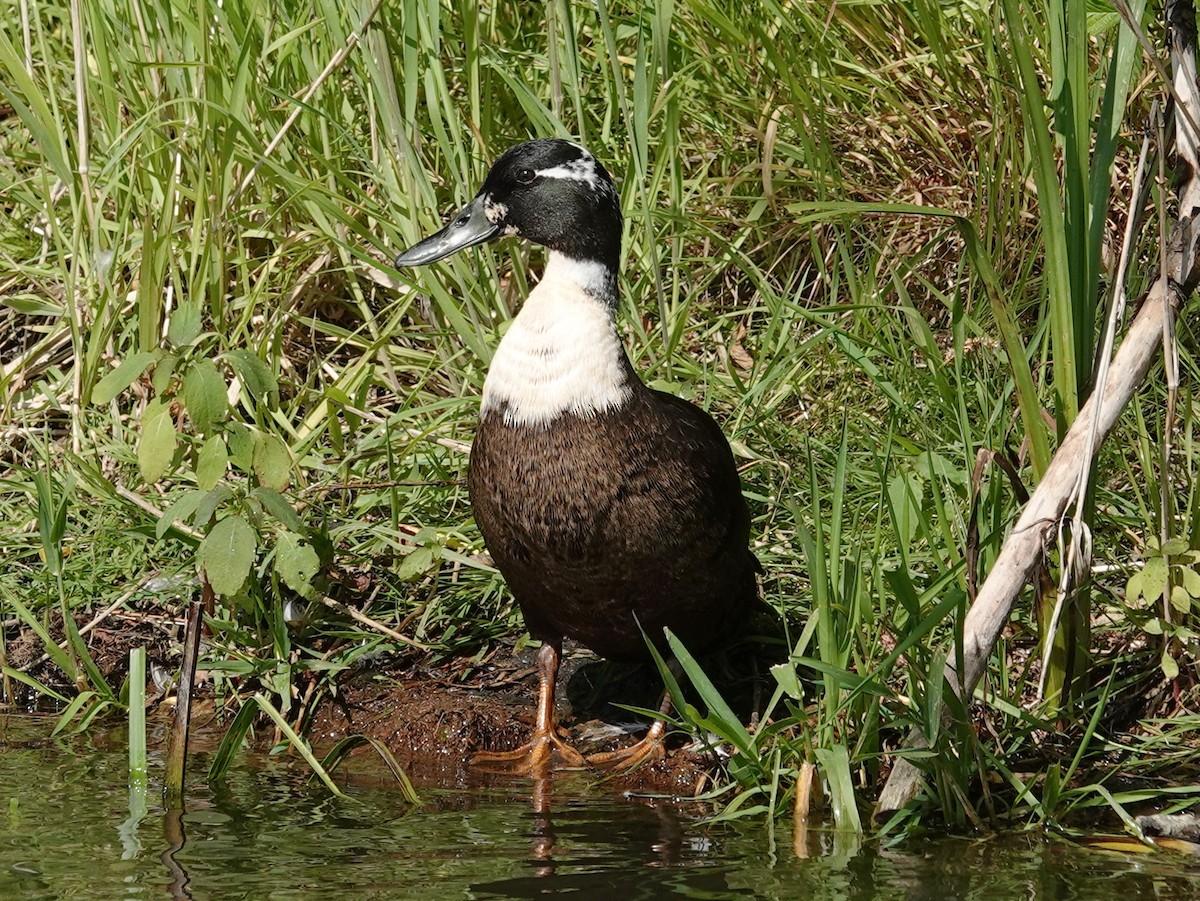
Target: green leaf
pixel 1174 546
pixel 415 564
pixel 835 762
pixel 1180 599
pixel 277 505
pixel 235 737
pixel 1133 588
pixel 297 564
pixel 255 375
pixel 117 380
pixel 185 324
pixel 227 554
pixel 157 445
pixel 904 494
pixel 161 380
pixel 211 462
pixel 1190 580
pixel 208 505
pixel 241 446
pixel 272 462
pixel 204 396
pixel 1154 577
pixel 183 507
pixel 1170 666
pixel 785 675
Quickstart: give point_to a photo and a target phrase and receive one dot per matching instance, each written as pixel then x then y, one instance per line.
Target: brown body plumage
pixel 602 523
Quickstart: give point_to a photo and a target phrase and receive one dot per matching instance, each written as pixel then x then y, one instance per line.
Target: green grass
pixel 849 238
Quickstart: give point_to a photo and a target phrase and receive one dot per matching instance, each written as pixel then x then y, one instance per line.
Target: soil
pixel 433 721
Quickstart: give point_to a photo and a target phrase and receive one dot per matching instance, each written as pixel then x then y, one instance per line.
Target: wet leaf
pixel 297 564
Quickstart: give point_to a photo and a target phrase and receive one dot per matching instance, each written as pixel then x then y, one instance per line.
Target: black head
pixel 551 192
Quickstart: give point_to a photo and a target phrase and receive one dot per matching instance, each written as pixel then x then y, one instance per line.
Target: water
pixel 66 831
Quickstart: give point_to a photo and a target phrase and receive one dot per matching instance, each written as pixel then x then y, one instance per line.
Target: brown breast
pixel 601 523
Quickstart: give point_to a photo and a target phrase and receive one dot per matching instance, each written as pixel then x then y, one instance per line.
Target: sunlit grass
pixel 181 201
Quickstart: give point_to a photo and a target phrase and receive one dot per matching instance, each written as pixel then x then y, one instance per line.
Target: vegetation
pixel 875 240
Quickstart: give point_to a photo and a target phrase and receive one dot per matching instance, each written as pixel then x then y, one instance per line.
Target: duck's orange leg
pixel 538 755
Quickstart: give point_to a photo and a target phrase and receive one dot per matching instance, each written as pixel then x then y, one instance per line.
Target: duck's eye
pixel 525 176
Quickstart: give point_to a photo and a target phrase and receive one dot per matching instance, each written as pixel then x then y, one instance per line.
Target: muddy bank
pixel 434 720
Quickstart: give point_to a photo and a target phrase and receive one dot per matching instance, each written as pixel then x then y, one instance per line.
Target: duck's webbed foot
pixel 649 750
pixel 547 749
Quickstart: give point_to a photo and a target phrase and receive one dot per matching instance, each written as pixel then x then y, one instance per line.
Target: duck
pixel 612 510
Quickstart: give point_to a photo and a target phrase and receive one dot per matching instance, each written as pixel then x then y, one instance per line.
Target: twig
pixel 374 624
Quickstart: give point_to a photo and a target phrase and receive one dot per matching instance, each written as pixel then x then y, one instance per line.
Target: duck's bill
pixel 470 227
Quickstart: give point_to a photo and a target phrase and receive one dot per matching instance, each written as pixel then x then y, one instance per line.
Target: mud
pixel 433 725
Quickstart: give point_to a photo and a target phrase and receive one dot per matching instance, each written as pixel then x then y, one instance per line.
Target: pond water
pixel 67 831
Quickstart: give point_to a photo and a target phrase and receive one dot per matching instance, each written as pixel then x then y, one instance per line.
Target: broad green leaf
pixel 297 564
pixel 277 505
pixel 785 675
pixel 415 564
pixel 1190 579
pixel 204 396
pixel 241 446
pixel 256 376
pixel 1180 599
pixel 227 554
pixel 183 507
pixel 209 504
pixel 1175 546
pixel 211 462
pixel 1133 588
pixel 1154 577
pixel 161 380
pixel 157 445
pixel 1170 666
pixel 185 324
pixel 272 462
pixel 117 380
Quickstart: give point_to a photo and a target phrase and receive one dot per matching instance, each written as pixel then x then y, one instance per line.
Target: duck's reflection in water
pixel 619 849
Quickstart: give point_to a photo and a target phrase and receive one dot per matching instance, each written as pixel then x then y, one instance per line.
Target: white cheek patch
pixel 562 353
pixel 494 211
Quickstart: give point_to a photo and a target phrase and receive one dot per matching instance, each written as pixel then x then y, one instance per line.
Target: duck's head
pixel 551 192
